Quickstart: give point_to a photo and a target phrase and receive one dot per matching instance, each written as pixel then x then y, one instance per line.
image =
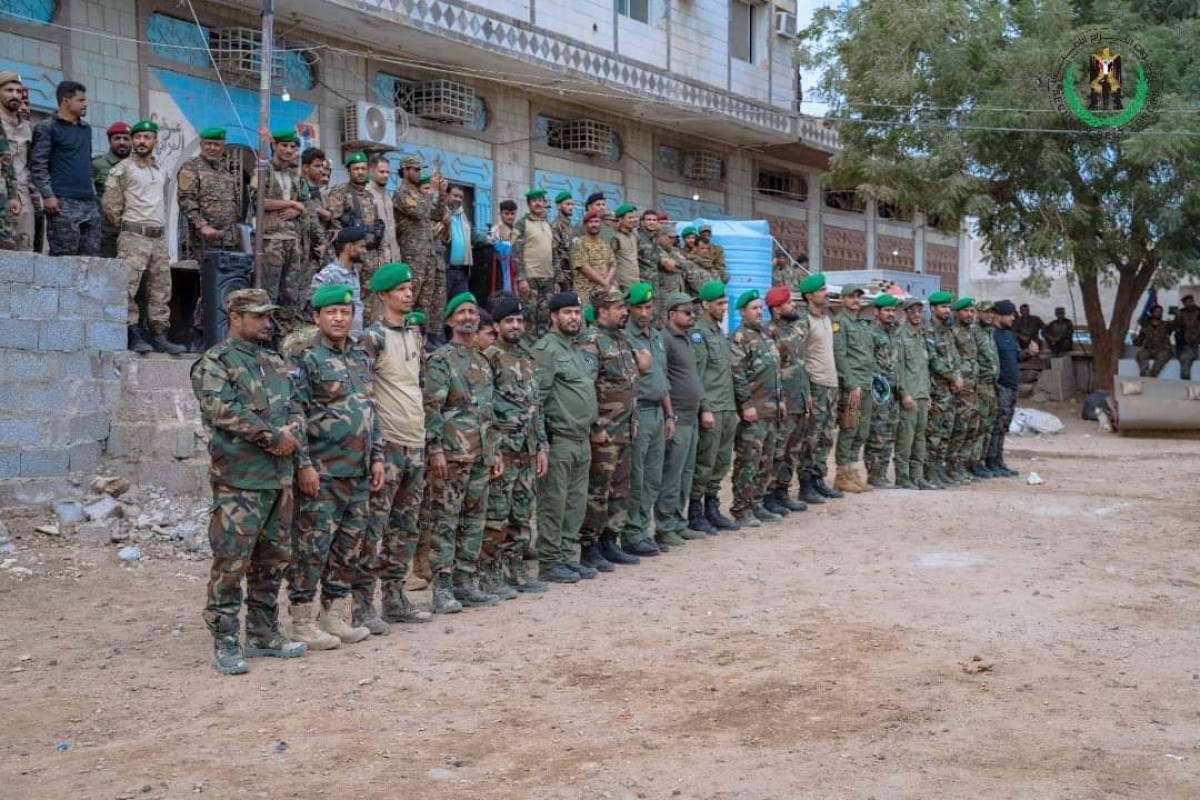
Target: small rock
pixel 6 545
pixel 104 508
pixel 63 747
pixel 183 530
pixel 454 761
pixel 117 535
pixel 49 530
pixel 147 788
pixel 129 555
pixel 26 657
pixel 111 485
pixel 281 746
pixel 69 512
pixel 1034 479
pixel 24 572
pixel 441 775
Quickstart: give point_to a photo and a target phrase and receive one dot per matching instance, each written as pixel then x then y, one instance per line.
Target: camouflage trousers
pixel 1006 404
pixel 714 454
pixel 536 307
pixel 75 229
pixel 851 439
pixel 373 261
pixel 753 451
pixel 458 503
pixel 678 475
pixel 940 425
pixel 8 224
pixel 881 438
pixel 327 540
pixel 283 278
pixel 23 223
pixel 818 429
pixel 967 425
pixel 608 490
pixel 510 508
pixel 393 520
pixel 910 441
pixel 645 473
pixel 429 290
pixel 1151 362
pixel 1187 357
pixel 248 534
pixel 562 500
pixel 789 450
pixel 146 257
pixel 988 408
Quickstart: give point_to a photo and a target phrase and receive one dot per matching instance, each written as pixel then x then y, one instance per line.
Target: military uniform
pixel 212 196
pixel 757 384
pixel 8 190
pixel 1059 335
pixel 283 273
pixel 944 370
pixel 589 251
pixel 714 452
pixel 1154 339
pixel 343 210
pixel 1186 327
pixel 817 352
pixel 19 134
pixel 788 275
pixel 989 370
pixel 625 248
pixel 854 353
pixel 415 215
pixel 885 415
pixel 649 445
pixel 789 336
pixel 564 238
pixel 711 258
pixel 967 421
pixel 688 400
pixel 101 166
pixel 534 260
pixel 913 372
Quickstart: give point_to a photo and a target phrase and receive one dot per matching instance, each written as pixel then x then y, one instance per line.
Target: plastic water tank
pixel 748 250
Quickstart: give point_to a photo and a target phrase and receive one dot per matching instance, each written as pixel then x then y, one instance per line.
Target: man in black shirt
pixel 1011 354
pixel 60 163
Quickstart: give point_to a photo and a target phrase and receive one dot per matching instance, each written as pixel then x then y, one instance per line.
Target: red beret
pixel 595 213
pixel 120 126
pixel 778 296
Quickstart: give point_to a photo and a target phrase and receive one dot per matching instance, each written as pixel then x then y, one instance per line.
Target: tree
pixel 946 106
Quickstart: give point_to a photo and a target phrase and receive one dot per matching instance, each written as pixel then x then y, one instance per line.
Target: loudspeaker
pixel 222 272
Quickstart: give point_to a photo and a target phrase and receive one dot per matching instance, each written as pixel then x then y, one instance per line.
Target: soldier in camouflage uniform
pixel 521 431
pixel 788 329
pixel 854 353
pixel 913 396
pixel 10 203
pixel 16 201
pixel 314 183
pixel 338 466
pixel 1153 341
pixel 534 259
pixel 946 381
pixel 655 266
pixel 817 351
pixel 967 422
pixel 786 272
pixel 615 428
pixel 886 414
pixel 283 271
pixel 416 211
pixel 120 145
pixel 758 390
pixel 460 440
pixel 989 371
pixel 255 429
pixel 593 265
pixel 624 243
pixel 563 229
pixel 708 255
pixel 351 205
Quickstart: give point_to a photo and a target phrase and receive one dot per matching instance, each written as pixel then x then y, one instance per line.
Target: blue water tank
pixel 748 250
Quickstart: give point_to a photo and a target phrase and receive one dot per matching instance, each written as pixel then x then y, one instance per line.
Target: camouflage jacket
pixel 793 377
pixel 520 426
pixel 757 382
pixel 712 258
pixel 312 230
pixel 459 405
pixel 210 195
pixel 1186 325
pixel 275 228
pixel 989 356
pixel 649 256
pixel 1154 336
pixel 913 369
pixel 246 400
pixel 8 186
pixel 415 215
pixel 102 164
pixel 616 382
pixel 566 385
pixel 340 205
pixel 333 387
pixel 681 279
pixel 788 275
pixel 591 252
pixel 968 353
pixel 887 353
pixel 944 363
pixel 564 236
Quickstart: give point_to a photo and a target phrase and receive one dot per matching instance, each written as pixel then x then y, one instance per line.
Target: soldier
pixel 485 337
pixel 350 247
pixel 564 235
pixel 967 421
pixel 946 381
pixel 1154 339
pixel 786 271
pixel 1028 327
pixel 708 255
pixel 788 331
pixel 351 205
pixel 625 247
pixel 533 258
pixel 913 372
pixel 817 353
pixel 526 453
pixel 655 266
pixel 566 381
pixel 462 458
pixel 884 417
pixel 314 187
pixel 60 164
pixel 1060 333
pixel 655 428
pixel 338 465
pixel 255 428
pixel 10 202
pixel 379 169
pixel 1009 354
pixel 718 429
pixel 689 404
pixel 989 366
pixel 395 346
pixel 687 277
pixel 19 205
pixel 854 353
pixel 596 202
pixel 1186 326
pixel 415 213
pixel 593 264
pixel 283 272
pixel 135 202
pixel 120 145
pixel 758 390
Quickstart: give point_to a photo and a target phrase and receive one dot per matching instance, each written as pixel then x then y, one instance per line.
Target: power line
pixel 221 78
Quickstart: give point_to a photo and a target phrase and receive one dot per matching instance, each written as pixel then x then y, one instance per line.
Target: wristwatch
pixel 673 417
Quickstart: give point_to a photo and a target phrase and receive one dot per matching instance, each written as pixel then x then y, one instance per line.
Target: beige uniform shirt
pixel 19 134
pixel 136 192
pixel 817 351
pixel 388 250
pixel 625 245
pixel 398 388
pixel 539 249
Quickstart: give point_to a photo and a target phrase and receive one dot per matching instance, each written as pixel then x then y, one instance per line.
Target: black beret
pixel 563 300
pixel 593 197
pixel 1003 307
pixel 350 235
pixel 505 307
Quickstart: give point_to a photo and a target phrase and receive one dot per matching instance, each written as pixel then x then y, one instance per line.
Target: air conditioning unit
pixel 703 165
pixel 369 125
pixel 444 101
pixel 785 24
pixel 587 137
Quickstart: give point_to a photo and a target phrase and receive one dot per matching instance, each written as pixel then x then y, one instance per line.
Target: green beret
pixel 534 194
pixel 813 282
pixel 415 318
pixel 746 297
pixel 285 135
pixel 589 315
pixel 562 196
pixel 332 294
pixel 639 293
pixel 144 126
pixel 624 209
pixel 712 290
pixel 690 230
pixel 886 301
pixel 213 134
pixel 425 180
pixel 458 300
pixel 940 298
pixel 357 157
pixel 964 303
pixel 389 276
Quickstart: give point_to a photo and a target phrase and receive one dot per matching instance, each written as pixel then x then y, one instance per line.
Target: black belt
pixel 650 404
pixel 151 231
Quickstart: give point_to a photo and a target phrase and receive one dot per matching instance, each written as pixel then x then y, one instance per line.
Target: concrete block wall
pixel 107 65
pixel 62 345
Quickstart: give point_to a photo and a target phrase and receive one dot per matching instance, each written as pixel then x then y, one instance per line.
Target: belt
pixel 142 229
pixel 650 404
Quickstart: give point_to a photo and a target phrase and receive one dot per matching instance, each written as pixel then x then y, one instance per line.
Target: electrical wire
pixel 221 78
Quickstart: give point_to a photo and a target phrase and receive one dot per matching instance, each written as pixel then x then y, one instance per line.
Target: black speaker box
pixel 222 272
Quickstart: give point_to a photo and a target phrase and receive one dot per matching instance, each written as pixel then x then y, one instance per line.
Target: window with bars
pixel 782 184
pixel 845 201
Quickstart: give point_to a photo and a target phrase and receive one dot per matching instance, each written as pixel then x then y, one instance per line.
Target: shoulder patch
pixel 836 327
pixel 697 337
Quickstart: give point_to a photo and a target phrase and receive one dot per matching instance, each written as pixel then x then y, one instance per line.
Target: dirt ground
pixel 997 641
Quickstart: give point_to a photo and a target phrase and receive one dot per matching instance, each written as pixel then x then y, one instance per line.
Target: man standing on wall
pixel 120 144
pixel 61 165
pixel 20 136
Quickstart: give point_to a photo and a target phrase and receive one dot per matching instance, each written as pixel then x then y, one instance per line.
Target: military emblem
pixel 593 364
pixel 697 337
pixel 1105 81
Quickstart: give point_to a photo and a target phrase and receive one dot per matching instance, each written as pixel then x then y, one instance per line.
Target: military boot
pixel 860 477
pixel 747 518
pixel 518 578
pixel 877 479
pixel 668 539
pixel 466 591
pixel 998 466
pixel 781 497
pixel 712 512
pixel 334 619
pixel 558 573
pixel 697 520
pixel 398 608
pixel 844 481
pixel 161 344
pixel 265 640
pixel 421 576
pixel 980 471
pixel 642 547
pixel 492 582
pixel 823 488
pixel 807 493
pixel 227 647
pixel 138 344
pixel 761 513
pixel 772 504
pixel 444 601
pixel 611 551
pixel 589 556
pixel 945 478
pixel 364 615
pixel 304 628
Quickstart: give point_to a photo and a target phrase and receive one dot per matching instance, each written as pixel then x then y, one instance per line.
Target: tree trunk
pixel 1108 340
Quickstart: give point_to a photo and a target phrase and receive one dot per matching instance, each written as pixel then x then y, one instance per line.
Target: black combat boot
pixel 697 520
pixel 137 342
pixel 589 556
pixel 611 551
pixel 645 547
pixel 818 482
pixel 808 493
pixel 161 344
pixel 781 497
pixel 712 512
pixel 772 503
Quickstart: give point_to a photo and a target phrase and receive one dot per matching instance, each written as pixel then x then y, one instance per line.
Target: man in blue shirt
pixel 60 163
pixel 458 244
pixel 1011 354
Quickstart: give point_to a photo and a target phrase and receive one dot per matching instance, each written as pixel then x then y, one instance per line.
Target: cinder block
pixel 10 463
pixel 44 463
pixel 128 439
pixel 20 365
pixel 90 427
pixel 16 267
pixel 107 336
pixel 60 334
pixel 78 366
pixel 155 373
pixel 33 302
pixel 19 334
pixel 19 432
pixel 107 280
pixel 117 312
pixel 54 272
pixel 84 457
pixel 73 304
pixel 20 397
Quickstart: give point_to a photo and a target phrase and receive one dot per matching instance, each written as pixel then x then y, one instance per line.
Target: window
pixel 784 185
pixel 634 9
pixel 743 18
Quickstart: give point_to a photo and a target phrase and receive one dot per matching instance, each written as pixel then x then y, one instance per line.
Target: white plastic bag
pixel 1028 421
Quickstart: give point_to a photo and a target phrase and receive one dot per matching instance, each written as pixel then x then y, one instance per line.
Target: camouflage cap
pixel 602 298
pixel 986 305
pixel 8 76
pixel 249 301
pixel 412 162
pixel 676 299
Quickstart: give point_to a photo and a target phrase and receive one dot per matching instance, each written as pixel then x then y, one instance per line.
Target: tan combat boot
pixel 304 628
pixel 335 620
pixel 864 482
pixel 844 481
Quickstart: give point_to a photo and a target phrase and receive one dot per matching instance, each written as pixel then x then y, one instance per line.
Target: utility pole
pixel 262 168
